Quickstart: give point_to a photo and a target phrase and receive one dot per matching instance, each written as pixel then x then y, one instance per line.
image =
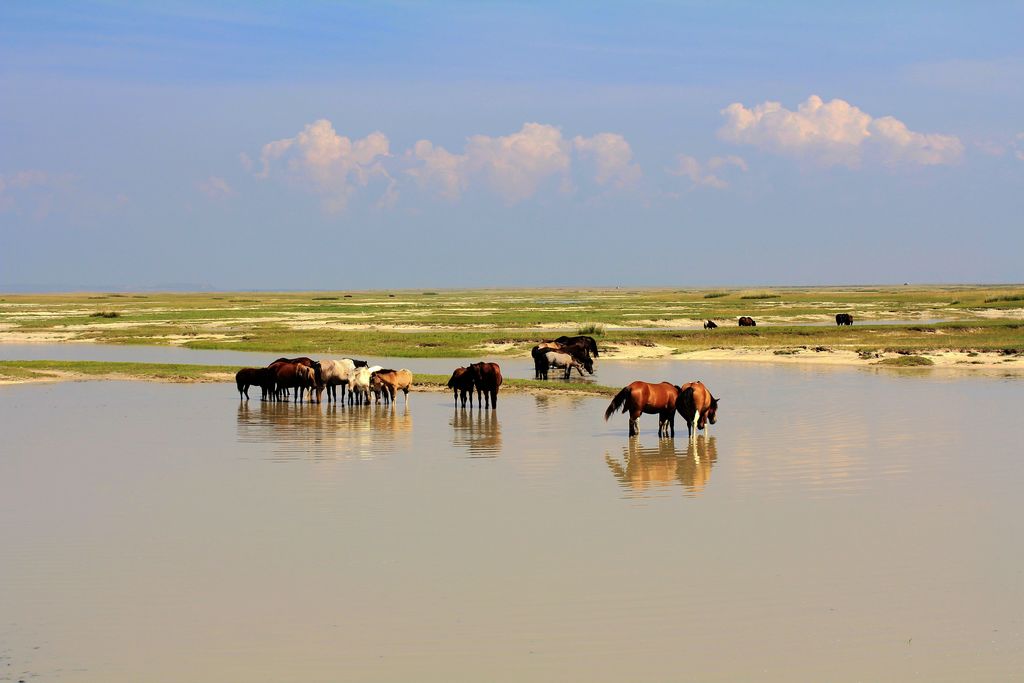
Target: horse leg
pixel 494 398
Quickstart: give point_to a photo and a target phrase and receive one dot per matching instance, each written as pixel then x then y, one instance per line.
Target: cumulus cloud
pixel 216 187
pixel 612 158
pixel 835 132
pixel 708 174
pixel 33 191
pixel 326 163
pixel 514 166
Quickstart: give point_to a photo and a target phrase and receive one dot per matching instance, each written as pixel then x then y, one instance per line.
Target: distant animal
pixel 261 377
pixel 697 406
pixel 461 382
pixel 747 321
pixel 844 319
pixel 388 382
pixel 560 359
pixel 589 343
pixel 487 380
pixel 654 399
pixel 710 325
pixel 335 373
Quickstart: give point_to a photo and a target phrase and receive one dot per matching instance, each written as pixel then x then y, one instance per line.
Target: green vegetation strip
pixel 171 372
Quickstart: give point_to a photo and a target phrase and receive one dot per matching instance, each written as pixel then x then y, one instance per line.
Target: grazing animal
pixel 697 406
pixel 487 380
pixel 587 342
pixel 247 377
pixel 653 399
pixel 558 359
pixel 335 373
pixel 710 325
pixel 747 321
pixel 578 350
pixel 389 382
pixel 461 382
pixel 844 319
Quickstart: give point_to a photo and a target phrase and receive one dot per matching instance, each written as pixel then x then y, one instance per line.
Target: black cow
pixel 844 319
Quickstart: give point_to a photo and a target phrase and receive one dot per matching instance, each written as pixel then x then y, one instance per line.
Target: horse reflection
pixel 331 430
pixel 644 469
pixel 479 432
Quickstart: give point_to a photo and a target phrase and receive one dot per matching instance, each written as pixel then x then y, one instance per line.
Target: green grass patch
pixel 595 329
pixel 715 295
pixel 1008 297
pixel 906 361
pixel 105 314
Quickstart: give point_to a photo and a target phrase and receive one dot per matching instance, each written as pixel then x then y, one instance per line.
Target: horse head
pixel 588 364
pixel 713 410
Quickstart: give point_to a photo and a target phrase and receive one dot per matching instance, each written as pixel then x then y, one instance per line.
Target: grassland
pixel 629 323
pixel 50 371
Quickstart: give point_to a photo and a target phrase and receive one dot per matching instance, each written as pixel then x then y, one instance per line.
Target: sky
pixel 374 145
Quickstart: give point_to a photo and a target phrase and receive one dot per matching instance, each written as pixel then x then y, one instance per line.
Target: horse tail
pixel 617 402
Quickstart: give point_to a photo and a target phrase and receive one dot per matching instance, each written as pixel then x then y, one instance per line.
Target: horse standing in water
pixel 697 405
pixel 487 380
pixel 461 382
pixel 653 399
pixel 588 343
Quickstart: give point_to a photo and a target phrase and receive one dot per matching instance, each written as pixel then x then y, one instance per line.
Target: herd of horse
pixel 747 321
pixel 302 376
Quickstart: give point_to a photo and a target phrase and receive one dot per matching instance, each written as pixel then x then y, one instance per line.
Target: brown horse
pixel 588 343
pixel 293 376
pixel 260 377
pixel 642 397
pixel 487 380
pixel 389 382
pixel 696 404
pixel 747 321
pixel 461 382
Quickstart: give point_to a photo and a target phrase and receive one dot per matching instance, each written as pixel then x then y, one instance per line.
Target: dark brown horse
pixel 844 319
pixel 487 380
pixel 309 363
pixel 696 404
pixel 293 376
pixel 653 399
pixel 587 343
pixel 461 382
pixel 260 377
pixel 747 321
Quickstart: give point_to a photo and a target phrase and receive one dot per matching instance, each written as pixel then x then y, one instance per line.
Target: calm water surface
pixel 837 525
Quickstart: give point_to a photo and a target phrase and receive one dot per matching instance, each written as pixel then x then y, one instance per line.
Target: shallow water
pixel 836 526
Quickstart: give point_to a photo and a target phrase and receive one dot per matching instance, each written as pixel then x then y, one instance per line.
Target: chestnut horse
pixel 642 397
pixel 696 404
pixel 461 382
pixel 389 382
pixel 487 380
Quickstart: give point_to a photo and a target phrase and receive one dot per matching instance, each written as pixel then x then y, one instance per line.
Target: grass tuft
pixel 105 314
pixel 906 361
pixel 715 295
pixel 596 329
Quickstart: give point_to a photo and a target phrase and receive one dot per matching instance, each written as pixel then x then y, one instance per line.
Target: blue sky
pixel 341 145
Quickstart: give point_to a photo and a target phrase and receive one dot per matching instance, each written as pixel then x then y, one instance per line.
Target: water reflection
pixel 478 431
pixel 325 430
pixel 643 470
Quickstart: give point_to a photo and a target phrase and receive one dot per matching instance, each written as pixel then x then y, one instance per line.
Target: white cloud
pixel 700 174
pixel 834 132
pixel 612 158
pixel 323 162
pixel 514 166
pixel 35 192
pixel 216 187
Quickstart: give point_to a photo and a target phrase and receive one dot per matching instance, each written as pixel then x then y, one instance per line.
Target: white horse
pixel 359 384
pixel 557 359
pixel 335 373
